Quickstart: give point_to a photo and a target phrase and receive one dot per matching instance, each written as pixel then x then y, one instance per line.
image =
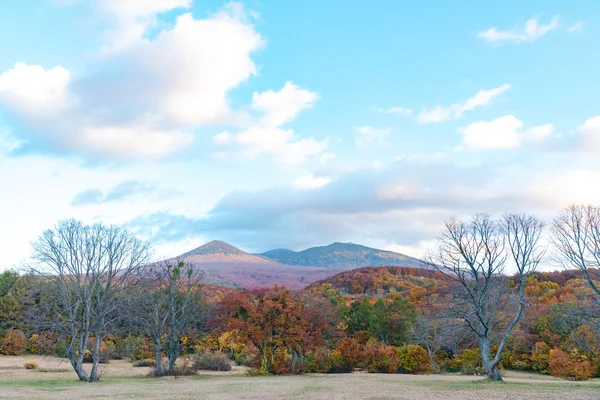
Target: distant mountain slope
pixel 382 280
pixel 343 256
pixel 226 265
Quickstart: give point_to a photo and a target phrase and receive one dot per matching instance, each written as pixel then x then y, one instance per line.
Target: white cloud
pixel 124 142
pixel 367 136
pixel 310 181
pixel 576 27
pixel 444 113
pixel 266 136
pixel 146 98
pixel 282 106
pixel 533 30
pixel 502 133
pixel 590 135
pixel 134 17
pixel 393 110
pixel 31 89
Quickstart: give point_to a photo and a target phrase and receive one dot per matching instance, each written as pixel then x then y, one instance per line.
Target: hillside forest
pixel 92 294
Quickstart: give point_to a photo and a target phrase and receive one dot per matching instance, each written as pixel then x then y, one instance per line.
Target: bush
pixel 31 365
pixel 106 353
pixel 539 358
pixel 42 344
pixel 470 362
pixel 127 346
pixel 413 359
pixel 13 343
pixel 148 362
pixel 211 362
pixel 380 358
pixel 346 356
pixel 572 366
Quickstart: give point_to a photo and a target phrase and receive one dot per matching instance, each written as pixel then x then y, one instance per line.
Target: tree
pixel 167 306
pixel 88 269
pixel 576 237
pixel 275 319
pixel 316 321
pixel 390 322
pixel 473 256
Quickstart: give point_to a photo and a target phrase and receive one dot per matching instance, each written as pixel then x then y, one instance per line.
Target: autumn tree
pixel 473 256
pixel 276 319
pixel 315 324
pixel 87 268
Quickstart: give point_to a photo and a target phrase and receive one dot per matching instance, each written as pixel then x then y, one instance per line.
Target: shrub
pixel 319 361
pixel 346 356
pixel 31 365
pixel 572 366
pixel 13 343
pixel 142 353
pixel 148 362
pixel 106 353
pixel 126 346
pixel 539 358
pixel 42 344
pixel 470 362
pixel 380 358
pixel 413 359
pixel 211 362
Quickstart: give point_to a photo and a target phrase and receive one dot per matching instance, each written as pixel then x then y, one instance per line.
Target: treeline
pixel 93 296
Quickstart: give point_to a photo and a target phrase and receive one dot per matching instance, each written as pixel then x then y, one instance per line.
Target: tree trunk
pixel 96 359
pixel 293 364
pixel 158 358
pixel 172 361
pixel 490 366
pixel 76 357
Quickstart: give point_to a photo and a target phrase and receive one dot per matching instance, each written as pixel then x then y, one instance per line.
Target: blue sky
pixel 293 123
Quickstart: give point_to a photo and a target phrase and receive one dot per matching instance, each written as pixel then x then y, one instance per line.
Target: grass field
pixel 121 381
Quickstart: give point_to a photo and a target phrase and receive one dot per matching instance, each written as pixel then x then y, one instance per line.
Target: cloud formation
pixel 532 31
pixel 267 135
pixel 502 133
pixel 444 113
pixel 145 96
pixel 122 191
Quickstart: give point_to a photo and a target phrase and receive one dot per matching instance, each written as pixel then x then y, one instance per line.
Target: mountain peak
pixel 215 247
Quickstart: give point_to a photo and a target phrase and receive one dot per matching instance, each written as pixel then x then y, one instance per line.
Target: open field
pixel 122 381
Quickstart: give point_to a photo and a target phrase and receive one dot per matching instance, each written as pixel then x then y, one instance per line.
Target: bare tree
pixel 436 332
pixel 88 268
pixel 169 306
pixel 473 256
pixel 576 237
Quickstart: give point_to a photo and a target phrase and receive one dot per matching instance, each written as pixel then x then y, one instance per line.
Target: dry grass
pixel 121 380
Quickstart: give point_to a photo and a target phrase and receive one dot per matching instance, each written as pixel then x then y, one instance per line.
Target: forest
pixel 92 294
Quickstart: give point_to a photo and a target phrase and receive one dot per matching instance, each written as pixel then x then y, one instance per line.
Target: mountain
pixel 343 256
pixel 226 265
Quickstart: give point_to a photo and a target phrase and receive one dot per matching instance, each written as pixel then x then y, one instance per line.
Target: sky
pixel 289 124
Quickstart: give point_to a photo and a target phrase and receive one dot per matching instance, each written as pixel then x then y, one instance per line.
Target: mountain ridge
pixel 227 265
pixel 343 256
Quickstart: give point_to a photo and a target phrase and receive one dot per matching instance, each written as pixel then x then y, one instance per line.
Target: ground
pixel 55 379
